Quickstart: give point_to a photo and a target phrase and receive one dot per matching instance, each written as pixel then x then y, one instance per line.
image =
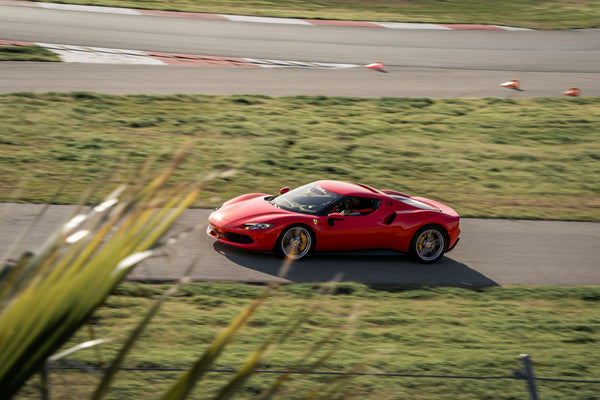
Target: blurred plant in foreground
pixel 46 296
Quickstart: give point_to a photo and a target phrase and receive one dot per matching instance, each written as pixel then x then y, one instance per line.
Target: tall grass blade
pixel 240 377
pixel 184 385
pixel 103 387
pixel 276 386
pixel 80 346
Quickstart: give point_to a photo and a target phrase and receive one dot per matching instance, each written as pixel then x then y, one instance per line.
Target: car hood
pixel 239 211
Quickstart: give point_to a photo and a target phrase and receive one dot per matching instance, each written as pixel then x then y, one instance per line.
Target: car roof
pixel 347 188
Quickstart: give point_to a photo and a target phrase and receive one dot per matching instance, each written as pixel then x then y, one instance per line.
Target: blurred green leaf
pixel 50 293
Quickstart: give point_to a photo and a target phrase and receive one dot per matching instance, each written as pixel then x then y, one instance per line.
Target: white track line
pixel 98 55
pixel 75 7
pixel 101 55
pixel 264 20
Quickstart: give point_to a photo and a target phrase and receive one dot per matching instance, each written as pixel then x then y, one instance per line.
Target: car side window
pixel 356 206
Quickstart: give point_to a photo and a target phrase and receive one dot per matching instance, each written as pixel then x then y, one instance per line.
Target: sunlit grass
pixel 529 158
pixel 446 331
pixel 536 14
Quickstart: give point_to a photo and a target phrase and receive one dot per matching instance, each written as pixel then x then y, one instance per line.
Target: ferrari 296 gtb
pixel 332 215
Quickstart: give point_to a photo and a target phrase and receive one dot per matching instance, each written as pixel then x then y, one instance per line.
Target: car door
pixel 360 228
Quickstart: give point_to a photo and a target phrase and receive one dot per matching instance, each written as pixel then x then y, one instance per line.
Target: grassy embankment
pixel 445 331
pixel 530 158
pixel 535 14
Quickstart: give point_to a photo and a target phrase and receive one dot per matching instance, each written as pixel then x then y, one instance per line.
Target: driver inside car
pixel 351 207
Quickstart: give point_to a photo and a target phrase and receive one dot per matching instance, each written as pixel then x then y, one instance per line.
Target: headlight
pixel 257 226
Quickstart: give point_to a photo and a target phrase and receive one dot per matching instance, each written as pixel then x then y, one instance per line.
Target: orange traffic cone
pixel 377 66
pixel 512 84
pixel 572 92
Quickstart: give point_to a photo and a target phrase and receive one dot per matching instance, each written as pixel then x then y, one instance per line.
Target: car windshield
pixel 307 199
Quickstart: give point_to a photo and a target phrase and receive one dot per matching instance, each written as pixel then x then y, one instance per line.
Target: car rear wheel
pixel 428 245
pixel 295 242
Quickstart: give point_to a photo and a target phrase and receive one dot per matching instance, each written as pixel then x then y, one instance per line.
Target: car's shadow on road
pixel 375 267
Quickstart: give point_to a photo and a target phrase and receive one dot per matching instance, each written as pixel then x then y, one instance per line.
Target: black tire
pixel 429 244
pixel 295 242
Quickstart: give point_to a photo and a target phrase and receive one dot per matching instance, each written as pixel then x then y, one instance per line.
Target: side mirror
pixel 284 190
pixel 331 218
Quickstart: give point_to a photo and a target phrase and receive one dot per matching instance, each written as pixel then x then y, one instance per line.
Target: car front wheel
pixel 295 242
pixel 428 245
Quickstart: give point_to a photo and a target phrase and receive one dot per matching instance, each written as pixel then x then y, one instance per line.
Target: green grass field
pixel 530 158
pixel 26 53
pixel 441 331
pixel 536 14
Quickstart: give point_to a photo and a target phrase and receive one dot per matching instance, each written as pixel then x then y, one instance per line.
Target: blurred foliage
pixel 46 295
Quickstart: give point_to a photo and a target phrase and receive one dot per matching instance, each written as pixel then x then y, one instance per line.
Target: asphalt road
pixel 418 63
pixel 491 252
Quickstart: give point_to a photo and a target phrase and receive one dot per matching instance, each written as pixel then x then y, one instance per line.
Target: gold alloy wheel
pixel 430 244
pixel 296 242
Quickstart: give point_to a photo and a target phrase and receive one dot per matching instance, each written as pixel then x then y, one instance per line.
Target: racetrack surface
pixel 491 252
pixel 417 63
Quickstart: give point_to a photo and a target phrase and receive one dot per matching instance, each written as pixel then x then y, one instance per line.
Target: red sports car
pixel 332 215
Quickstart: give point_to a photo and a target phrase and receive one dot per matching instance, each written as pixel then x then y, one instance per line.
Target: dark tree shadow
pixel 368 267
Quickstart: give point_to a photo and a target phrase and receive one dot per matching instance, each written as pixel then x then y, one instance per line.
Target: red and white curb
pixel 263 20
pixel 100 55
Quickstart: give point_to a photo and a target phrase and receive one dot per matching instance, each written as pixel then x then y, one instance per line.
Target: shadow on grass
pixel 368 267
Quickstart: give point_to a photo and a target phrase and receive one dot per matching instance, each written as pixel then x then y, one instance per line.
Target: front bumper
pixel 454 245
pixel 257 240
pixel 233 237
pixel 454 236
